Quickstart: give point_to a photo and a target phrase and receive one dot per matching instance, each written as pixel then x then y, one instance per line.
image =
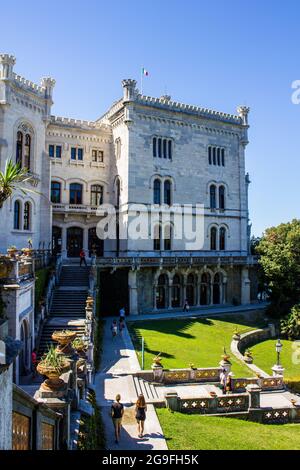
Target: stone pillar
pixel 245 287
pixel 172 401
pixel 133 294
pixel 254 395
pixel 64 243
pixel 154 298
pixel 278 370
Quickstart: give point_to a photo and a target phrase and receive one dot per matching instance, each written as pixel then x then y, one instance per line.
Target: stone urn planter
pixel 248 357
pixel 157 368
pixel 80 346
pixel 53 365
pixel 12 252
pixel 27 251
pixel 64 339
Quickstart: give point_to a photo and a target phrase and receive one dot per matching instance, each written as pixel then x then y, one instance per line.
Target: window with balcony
pixel 97 156
pixel 96 195
pixel 76 153
pixel 75 193
pixel 55 192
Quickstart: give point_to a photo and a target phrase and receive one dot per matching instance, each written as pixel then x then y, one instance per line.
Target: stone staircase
pixel 68 305
pixel 147 389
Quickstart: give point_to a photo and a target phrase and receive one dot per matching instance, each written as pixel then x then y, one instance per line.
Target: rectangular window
pixel 73 153
pixel 159 148
pixel 170 149
pixel 223 157
pixel 97 156
pixel 58 151
pixel 51 151
pixel 165 148
pixel 80 154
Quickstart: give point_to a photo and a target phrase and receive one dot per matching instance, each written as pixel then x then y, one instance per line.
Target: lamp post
pixel 278 369
pixel 278 347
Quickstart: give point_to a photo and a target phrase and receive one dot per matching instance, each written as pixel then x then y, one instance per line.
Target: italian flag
pixel 145 72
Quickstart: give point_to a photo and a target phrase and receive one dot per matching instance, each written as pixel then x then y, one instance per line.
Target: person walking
pixel 34 362
pixel 223 380
pixel 186 306
pixel 140 414
pixel 114 328
pixel 122 314
pixel 117 411
pixel 121 326
pixel 82 257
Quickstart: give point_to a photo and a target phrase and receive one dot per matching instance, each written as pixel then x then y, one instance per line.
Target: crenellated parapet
pixel 7 63
pixel 78 123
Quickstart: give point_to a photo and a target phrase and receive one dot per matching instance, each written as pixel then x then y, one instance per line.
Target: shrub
pixel 293 384
pixel 91 432
pixel 41 280
pixel 290 326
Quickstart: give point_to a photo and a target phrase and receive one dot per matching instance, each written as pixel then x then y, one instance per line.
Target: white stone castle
pixel 143 150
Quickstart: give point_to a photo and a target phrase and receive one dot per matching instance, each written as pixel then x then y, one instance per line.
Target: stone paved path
pixel 119 359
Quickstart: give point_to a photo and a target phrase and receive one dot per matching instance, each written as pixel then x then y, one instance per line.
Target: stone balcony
pixel 176 261
pixel 74 208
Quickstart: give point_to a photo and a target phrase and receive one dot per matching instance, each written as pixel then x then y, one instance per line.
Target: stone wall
pixel 6 394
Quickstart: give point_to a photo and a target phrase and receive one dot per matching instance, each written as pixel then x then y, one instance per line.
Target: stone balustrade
pixel 171 376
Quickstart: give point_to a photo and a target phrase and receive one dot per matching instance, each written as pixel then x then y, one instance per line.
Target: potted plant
pixel 213 394
pixel 53 365
pixel 64 338
pixel 236 335
pixel 157 362
pixel 248 356
pixel 79 345
pixel 12 251
pixel 26 251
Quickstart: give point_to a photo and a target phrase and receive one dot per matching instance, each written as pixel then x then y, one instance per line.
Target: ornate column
pixel 133 295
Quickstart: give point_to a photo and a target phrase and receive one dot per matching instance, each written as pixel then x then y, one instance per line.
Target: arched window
pixel 157 191
pixel 167 237
pixel 205 289
pixel 17 215
pixel 176 291
pixel 213 196
pixel 27 151
pixel 222 197
pixel 96 195
pixel 190 289
pixel 161 291
pixel 154 146
pixel 213 238
pixel 75 193
pixel 157 238
pixel 217 289
pixel 222 238
pixel 55 192
pixel 27 215
pixel 170 149
pixel 167 192
pixel 165 148
pixel 159 147
pixel 19 150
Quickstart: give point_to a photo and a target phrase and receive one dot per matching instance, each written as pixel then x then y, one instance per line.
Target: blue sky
pixel 216 54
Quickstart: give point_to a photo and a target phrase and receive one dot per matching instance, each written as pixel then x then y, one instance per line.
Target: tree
pixel 290 326
pixel 280 260
pixel 12 178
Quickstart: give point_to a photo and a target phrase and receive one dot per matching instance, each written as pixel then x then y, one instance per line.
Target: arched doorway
pixel 190 289
pixel 176 291
pixel 24 364
pixel 95 243
pixel 74 241
pixel 217 289
pixel 161 291
pixel 205 289
pixel 56 240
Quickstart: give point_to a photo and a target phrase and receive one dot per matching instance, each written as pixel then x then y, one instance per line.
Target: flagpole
pixel 141 80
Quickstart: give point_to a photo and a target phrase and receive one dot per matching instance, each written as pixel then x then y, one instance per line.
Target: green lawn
pixel 209 433
pixel 264 356
pixel 197 341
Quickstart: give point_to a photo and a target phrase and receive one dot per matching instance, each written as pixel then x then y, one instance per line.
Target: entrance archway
pixel 95 243
pixel 74 241
pixel 161 291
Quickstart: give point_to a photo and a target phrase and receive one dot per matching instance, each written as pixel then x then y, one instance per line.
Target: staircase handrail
pixel 58 266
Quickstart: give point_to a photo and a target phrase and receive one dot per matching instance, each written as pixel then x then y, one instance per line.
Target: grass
pixel 212 433
pixel 264 355
pixel 197 341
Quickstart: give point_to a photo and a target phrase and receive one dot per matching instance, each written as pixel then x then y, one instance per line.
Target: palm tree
pixel 11 179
